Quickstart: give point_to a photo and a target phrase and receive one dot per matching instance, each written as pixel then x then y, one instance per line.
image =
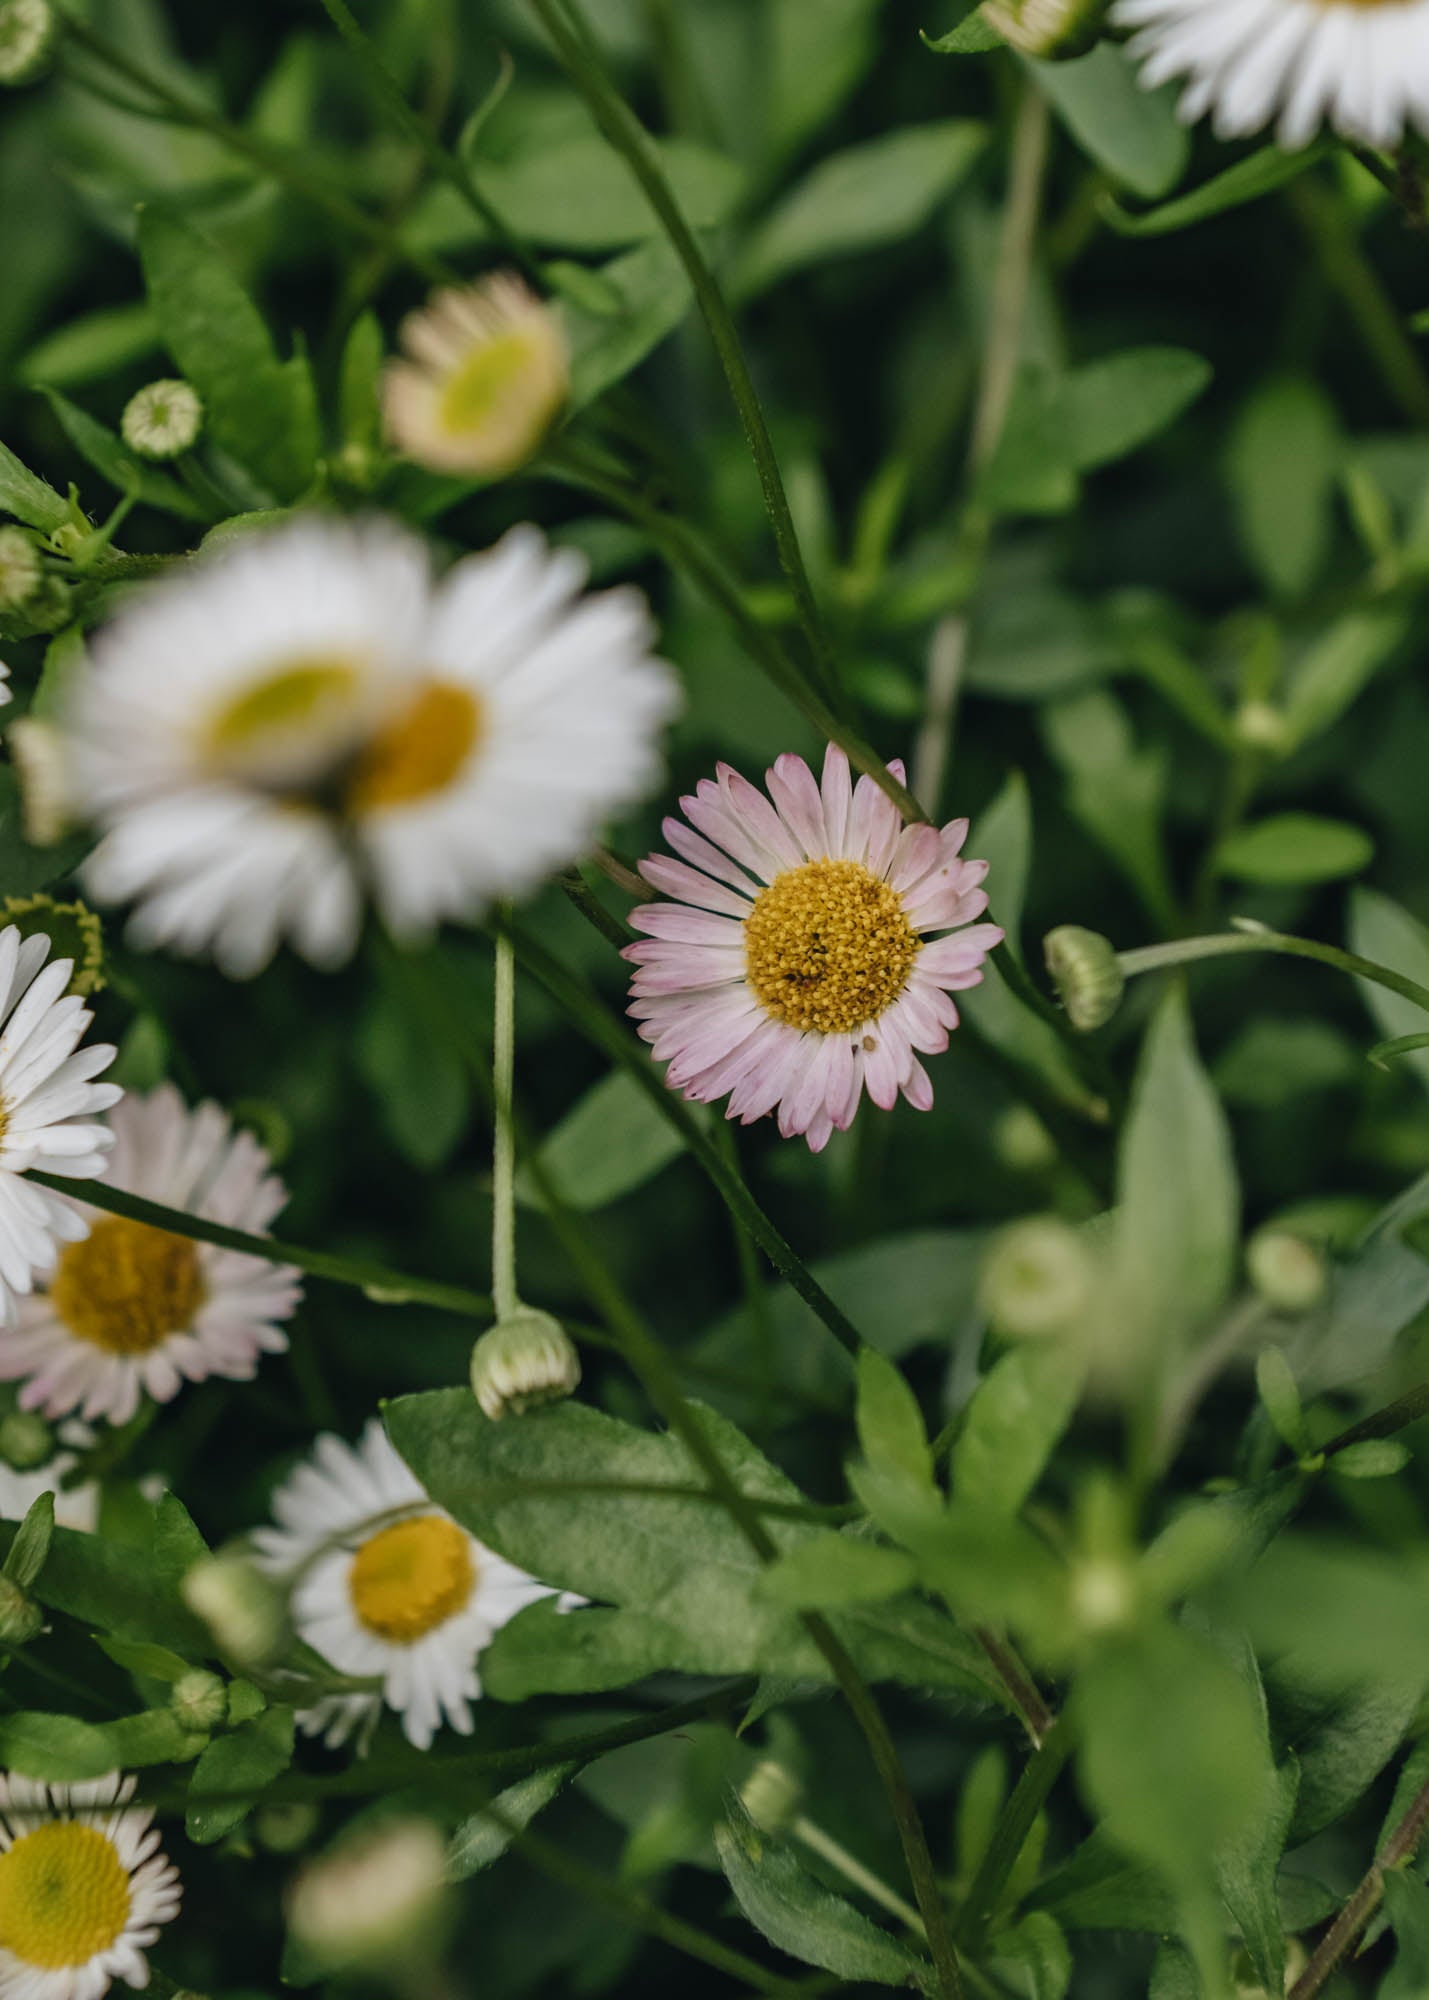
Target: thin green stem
pixel 503 1153
pixel 576 46
pixel 1185 951
pixel 1009 1836
pixel 852 1869
pixel 378 1281
pixel 1399 1849
pixel 1023 1692
pixel 1396 1416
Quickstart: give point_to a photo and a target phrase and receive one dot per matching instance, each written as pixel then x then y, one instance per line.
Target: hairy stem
pixel 1400 1847
pixel 503 1160
pixel 1185 951
pixel 1009 1836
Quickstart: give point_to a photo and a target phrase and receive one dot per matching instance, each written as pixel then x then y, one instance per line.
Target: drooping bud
pixel 37 750
pixel 20 1620
pixel 522 1362
pixel 26 1441
pixel 199 1700
pixel 376 1900
pixel 772 1796
pixel 19 565
pixel 241 1608
pixel 162 420
pixel 28 31
pixel 1058 28
pixel 1039 1279
pixel 1289 1273
pixel 74 931
pixel 1086 973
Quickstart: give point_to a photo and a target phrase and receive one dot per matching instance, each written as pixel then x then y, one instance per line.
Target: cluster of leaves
pixel 1172 597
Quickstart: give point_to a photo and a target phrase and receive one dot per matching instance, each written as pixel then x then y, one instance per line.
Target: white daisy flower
pixel 48 1100
pixel 85 1888
pixel 6 693
pixel 387 1586
pixel 796 967
pixel 1360 65
pixel 75 1506
pixel 303 716
pixel 133 1311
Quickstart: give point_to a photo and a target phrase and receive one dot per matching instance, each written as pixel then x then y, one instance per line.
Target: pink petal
pixel 838 799
pixel 678 879
pixel 795 792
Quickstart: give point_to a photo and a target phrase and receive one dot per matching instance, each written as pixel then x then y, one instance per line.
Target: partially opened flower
pixel 303 717
pixel 799 965
pixel 487 373
pixel 387 1585
pixel 85 1888
pixel 1360 65
pixel 132 1310
pixel 48 1102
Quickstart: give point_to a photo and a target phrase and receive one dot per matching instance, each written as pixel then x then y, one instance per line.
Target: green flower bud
pixel 523 1362
pixel 772 1796
pixel 1262 727
pixel 74 932
pixel 1046 27
pixel 20 1620
pixel 1084 969
pixel 162 420
pixel 26 1441
pixel 27 39
pixel 70 538
pixel 199 1700
pixel 20 570
pixel 1022 1142
pixel 376 1900
pixel 284 1829
pixel 241 1608
pixel 1040 1278
pixel 1289 1273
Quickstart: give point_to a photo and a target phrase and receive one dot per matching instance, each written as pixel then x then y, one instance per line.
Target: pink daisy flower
pixel 797 965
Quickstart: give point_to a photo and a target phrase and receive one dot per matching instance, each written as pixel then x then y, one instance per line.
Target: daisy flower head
pixel 131 1310
pixel 487 372
pixel 304 717
pixel 1360 65
pixel 797 966
pixel 48 1103
pixel 386 1585
pixel 85 1888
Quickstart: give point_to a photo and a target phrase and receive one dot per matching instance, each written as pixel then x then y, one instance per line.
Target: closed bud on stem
pixel 285 1828
pixel 1046 27
pixel 772 1796
pixel 199 1700
pixel 1086 973
pixel 1039 1279
pixel 240 1607
pixel 375 1901
pixel 19 564
pixel 162 420
pixel 20 1620
pixel 1022 1142
pixel 26 1441
pixel 28 32
pixel 37 750
pixel 1262 727
pixel 1289 1273
pixel 74 932
pixel 523 1361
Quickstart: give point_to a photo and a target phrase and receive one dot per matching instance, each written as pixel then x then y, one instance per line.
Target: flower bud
pixel 20 1620
pixel 285 1828
pixel 1086 973
pixel 1289 1273
pixel 70 538
pixel 28 30
pixel 74 932
pixel 1022 1142
pixel 26 1441
pixel 199 1700
pixel 376 1900
pixel 1262 727
pixel 19 565
pixel 1046 27
pixel 1102 1594
pixel 37 750
pixel 1039 1279
pixel 240 1607
pixel 522 1362
pixel 162 420
pixel 772 1796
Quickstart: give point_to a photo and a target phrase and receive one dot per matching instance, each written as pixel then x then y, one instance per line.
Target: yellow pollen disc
pixel 302 695
pixel 127 1287
pixel 828 947
pixel 408 1579
pixel 64 1895
pixel 489 376
pixel 418 753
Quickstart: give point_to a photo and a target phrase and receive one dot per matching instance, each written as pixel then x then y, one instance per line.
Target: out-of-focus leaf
pixel 890 1424
pixel 1115 788
pixel 817 56
pixel 1248 180
pixel 1282 465
pixel 486 1836
pixel 1406 1902
pixel 1294 848
pixel 1132 132
pixel 246 1761
pixel 1033 1957
pixel 25 1557
pixel 1115 405
pixel 1329 678
pixel 91 347
pixel 612 1141
pixel 837 1569
pixel 1011 1427
pixel 649 296
pixel 1383 930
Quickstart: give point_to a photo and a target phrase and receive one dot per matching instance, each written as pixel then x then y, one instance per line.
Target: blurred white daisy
pixel 48 1100
pixel 75 1506
pixel 303 716
pixel 796 967
pixel 85 1888
pixel 387 1586
pixel 486 374
pixel 131 1310
pixel 6 692
pixel 1360 65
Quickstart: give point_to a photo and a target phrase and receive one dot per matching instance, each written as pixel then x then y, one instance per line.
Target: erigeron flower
pixel 162 420
pixel 303 717
pixel 48 1100
pixel 75 1506
pixel 85 1888
pixel 797 967
pixel 487 372
pixel 1360 65
pixel 386 1585
pixel 131 1310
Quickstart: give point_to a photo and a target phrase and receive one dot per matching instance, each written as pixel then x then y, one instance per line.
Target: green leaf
pixel 1248 180
pixel 1330 677
pixel 1132 132
pixel 1113 406
pixel 971 37
pixel 411 1064
pixel 261 410
pixel 1275 1383
pixel 1373 1651
pixel 129 1592
pixel 60 1749
pixel 156 1736
pixel 28 497
pixel 1011 1426
pixel 1282 464
pixel 1115 788
pixel 360 384
pixel 245 1761
pixel 1372 1458
pixel 1384 931
pixel 816 57
pixel 136 1656
pixel 648 295
pixel 486 1836
pixel 798 1914
pixel 890 1423
pixel 1406 1902
pixel 1294 849
pixel 115 462
pixel 23 868
pixel 26 1556
pixel 1034 1958
pixel 87 349
pixel 860 199
pixel 1247 1872
pixel 837 1569
pixel 609 1143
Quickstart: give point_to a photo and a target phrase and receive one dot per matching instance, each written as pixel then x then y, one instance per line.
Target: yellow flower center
pixel 827 946
pixel 64 1895
pixel 301 698
pixel 408 1579
pixel 127 1287
pixel 418 753
pixel 487 377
